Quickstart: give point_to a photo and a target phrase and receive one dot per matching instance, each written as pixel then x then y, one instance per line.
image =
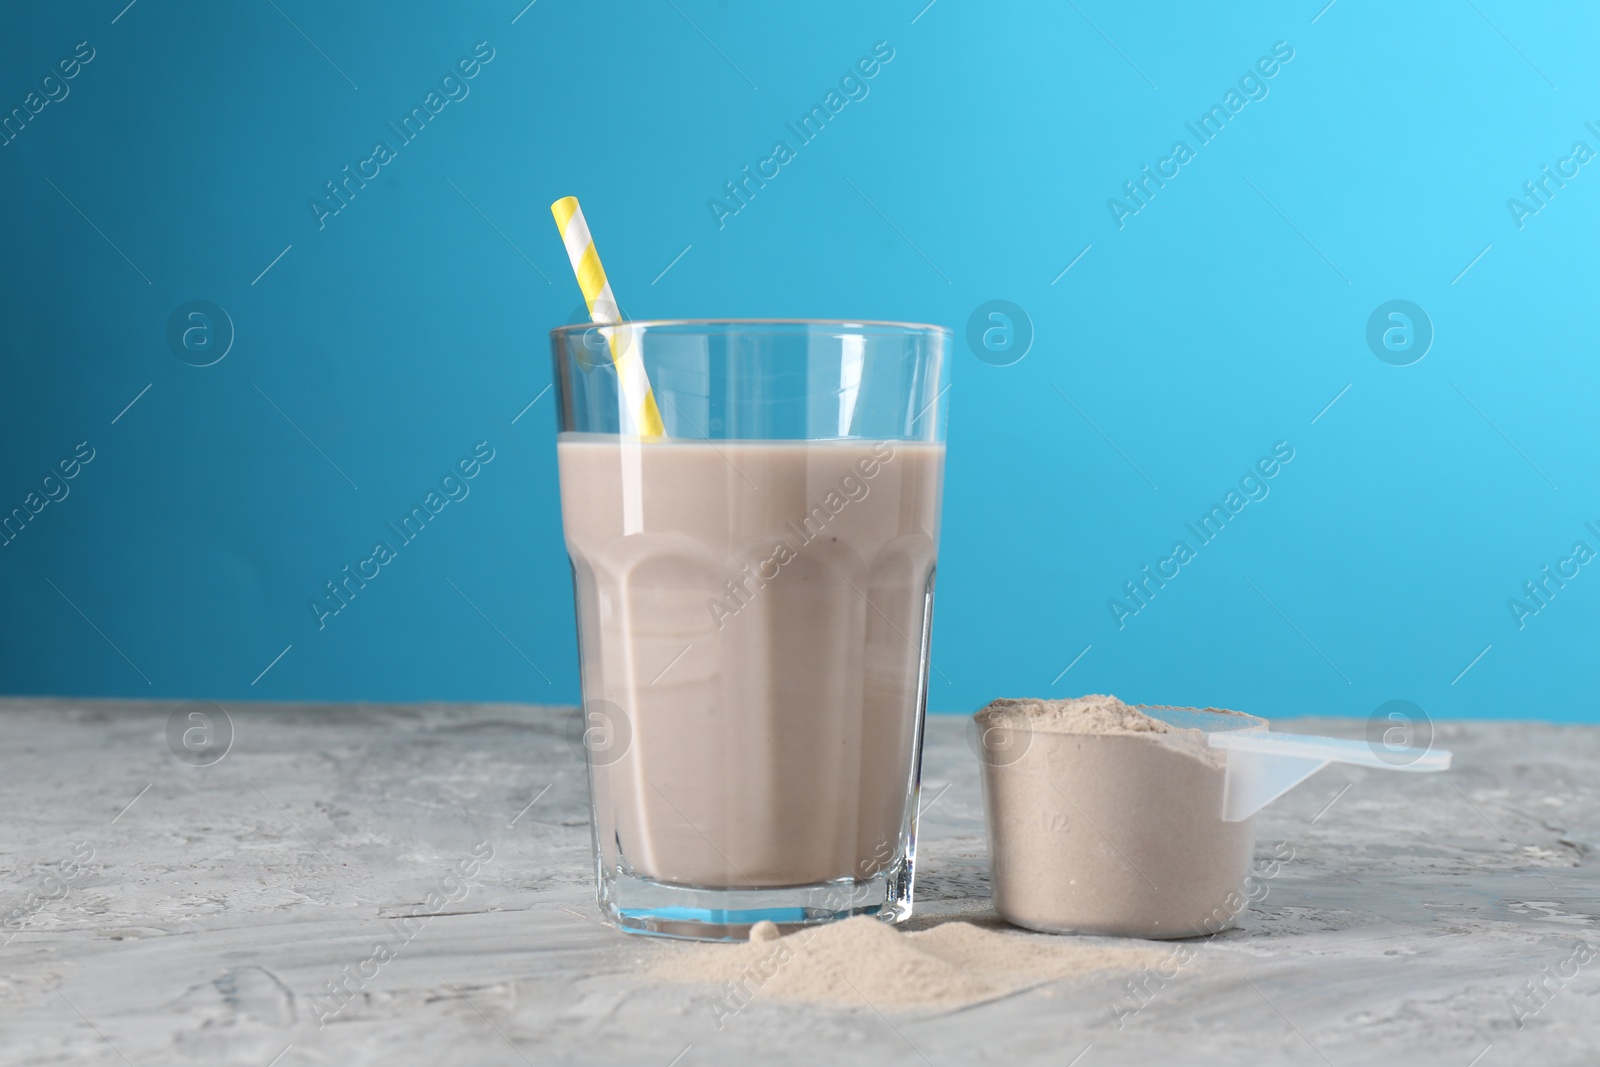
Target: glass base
pixel 638 905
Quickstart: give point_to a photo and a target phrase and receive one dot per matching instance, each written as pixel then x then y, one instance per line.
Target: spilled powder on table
pixel 862 960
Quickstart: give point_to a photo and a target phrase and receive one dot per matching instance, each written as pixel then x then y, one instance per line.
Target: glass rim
pixel 918 327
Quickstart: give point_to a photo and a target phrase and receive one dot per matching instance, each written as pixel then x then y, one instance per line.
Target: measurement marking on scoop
pixel 1104 838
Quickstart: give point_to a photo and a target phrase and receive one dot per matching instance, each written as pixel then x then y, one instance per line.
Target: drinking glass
pixel 754 596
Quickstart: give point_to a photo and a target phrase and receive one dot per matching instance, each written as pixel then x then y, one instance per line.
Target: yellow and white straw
pixel 635 385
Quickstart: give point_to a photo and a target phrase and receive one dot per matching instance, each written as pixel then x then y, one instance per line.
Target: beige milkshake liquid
pixel 758 611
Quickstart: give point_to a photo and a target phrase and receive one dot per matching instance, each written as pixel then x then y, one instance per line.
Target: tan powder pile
pixel 1093 714
pixel 862 961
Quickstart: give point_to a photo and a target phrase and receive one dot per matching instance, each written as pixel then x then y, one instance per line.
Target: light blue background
pixel 1223 318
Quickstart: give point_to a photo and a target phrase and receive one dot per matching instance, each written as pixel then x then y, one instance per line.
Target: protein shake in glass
pixel 754 591
pixel 751 509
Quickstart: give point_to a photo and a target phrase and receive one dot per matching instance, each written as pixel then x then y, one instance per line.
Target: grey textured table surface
pixel 163 913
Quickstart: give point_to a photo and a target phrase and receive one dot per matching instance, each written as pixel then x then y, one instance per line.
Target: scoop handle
pixel 1262 766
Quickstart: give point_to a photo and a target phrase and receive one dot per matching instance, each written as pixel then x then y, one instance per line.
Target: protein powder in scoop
pixel 1105 820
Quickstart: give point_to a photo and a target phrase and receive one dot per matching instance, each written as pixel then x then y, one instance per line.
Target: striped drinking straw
pixel 635 385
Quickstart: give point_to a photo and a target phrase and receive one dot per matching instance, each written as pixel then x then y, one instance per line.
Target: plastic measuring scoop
pixel 1262 766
